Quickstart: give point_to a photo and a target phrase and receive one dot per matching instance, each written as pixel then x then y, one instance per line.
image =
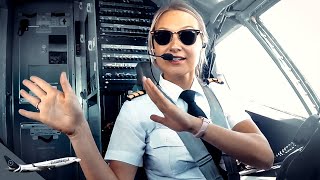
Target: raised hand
pixel 174 118
pixel 60 110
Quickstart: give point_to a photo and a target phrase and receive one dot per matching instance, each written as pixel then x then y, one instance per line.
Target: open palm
pixel 60 110
pixel 174 118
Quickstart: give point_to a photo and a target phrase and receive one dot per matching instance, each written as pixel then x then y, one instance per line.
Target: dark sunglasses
pixel 186 36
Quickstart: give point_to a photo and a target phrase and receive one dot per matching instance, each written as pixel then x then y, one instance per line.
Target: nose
pixel 175 44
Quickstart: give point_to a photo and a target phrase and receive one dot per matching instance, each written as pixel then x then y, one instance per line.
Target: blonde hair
pixel 181 6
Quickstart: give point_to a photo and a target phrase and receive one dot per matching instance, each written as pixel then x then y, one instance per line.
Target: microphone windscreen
pixel 167 56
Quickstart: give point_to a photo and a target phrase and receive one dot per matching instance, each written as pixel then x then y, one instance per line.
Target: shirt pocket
pixel 171 152
pixel 164 137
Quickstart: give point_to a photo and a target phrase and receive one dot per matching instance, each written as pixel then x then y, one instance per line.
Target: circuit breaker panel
pixel 120 43
pixel 123 29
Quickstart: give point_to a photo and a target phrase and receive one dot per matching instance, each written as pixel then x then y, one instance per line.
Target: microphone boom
pixel 169 57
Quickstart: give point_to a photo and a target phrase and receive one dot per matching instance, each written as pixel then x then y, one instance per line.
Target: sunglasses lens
pixel 188 37
pixel 162 37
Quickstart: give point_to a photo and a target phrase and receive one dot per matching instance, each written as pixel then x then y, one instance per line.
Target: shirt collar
pixel 173 91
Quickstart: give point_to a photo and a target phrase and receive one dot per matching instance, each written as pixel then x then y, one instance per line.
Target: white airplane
pixel 40 166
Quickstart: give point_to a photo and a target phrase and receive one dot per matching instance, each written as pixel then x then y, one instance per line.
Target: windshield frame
pixel 287 67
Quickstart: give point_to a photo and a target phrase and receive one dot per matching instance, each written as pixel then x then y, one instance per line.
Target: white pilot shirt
pixel 139 141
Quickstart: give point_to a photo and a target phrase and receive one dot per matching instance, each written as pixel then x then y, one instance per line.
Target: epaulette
pixel 216 80
pixel 135 94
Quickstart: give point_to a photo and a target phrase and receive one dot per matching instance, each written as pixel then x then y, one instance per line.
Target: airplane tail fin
pixel 11 163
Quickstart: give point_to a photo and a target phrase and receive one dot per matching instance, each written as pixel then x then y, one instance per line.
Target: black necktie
pixel 195 110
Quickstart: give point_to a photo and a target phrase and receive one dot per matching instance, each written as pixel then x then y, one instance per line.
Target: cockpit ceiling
pixel 208 8
pixel 213 11
pixel 6 3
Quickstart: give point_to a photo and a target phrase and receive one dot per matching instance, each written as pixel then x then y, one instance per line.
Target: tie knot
pixel 188 96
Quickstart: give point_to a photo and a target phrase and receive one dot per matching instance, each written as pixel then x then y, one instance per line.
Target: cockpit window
pixel 296 27
pixel 252 75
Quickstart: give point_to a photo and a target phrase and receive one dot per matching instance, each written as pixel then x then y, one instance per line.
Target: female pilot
pixel 145 132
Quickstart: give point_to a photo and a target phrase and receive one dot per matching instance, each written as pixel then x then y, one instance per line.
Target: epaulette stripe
pixel 135 94
pixel 216 80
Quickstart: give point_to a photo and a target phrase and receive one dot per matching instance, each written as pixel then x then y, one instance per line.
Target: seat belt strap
pixel 201 156
pixel 216 113
pixel 199 152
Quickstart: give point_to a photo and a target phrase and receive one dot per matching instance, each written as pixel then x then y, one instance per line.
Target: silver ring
pixel 37 106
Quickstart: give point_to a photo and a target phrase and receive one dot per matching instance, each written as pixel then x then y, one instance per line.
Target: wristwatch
pixel 204 126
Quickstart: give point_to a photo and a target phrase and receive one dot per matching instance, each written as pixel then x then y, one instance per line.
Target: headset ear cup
pixel 204 45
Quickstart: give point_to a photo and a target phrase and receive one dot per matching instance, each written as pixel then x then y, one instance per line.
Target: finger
pixel 157 119
pixel 34 88
pixel 66 87
pixel 45 86
pixel 150 91
pixel 150 88
pixel 155 94
pixel 144 82
pixel 33 100
pixel 30 115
